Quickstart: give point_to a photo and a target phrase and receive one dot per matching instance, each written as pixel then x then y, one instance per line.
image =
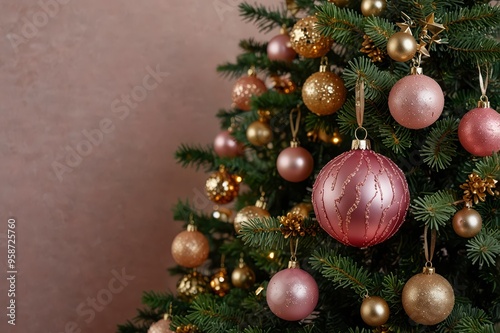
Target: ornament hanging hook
pixel 293 249
pixel 483 83
pixel 429 252
pixel 294 126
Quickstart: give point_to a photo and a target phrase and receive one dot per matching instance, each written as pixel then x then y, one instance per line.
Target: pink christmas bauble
pixel 245 88
pixel 292 294
pixel 360 198
pixel 225 145
pixel 416 101
pixel 161 326
pixel 295 164
pixel 279 48
pixel 479 131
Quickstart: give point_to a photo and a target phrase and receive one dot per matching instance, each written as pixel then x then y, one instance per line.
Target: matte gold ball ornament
pixel 242 276
pixel 222 187
pixel 428 297
pixel 324 92
pixel 467 222
pixel 307 41
pixel 401 46
pixel 374 311
pixel 259 133
pixel 373 7
pixel 250 212
pixel 190 248
pixel 303 209
pixel 192 285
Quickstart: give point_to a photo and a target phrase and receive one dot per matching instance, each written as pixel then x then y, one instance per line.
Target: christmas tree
pixel 356 191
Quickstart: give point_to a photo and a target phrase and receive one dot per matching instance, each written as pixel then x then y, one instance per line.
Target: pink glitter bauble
pixel 279 48
pixel 292 294
pixel 479 131
pixel 360 198
pixel 225 145
pixel 245 88
pixel 161 326
pixel 416 101
pixel 295 164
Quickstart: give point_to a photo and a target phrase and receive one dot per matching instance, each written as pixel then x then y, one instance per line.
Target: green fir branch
pixel 265 19
pixel 379 30
pixel 263 233
pixel 440 145
pixel 211 315
pixel 489 166
pixel 435 210
pixel 344 26
pixel 481 18
pixel 473 48
pixel 466 318
pixel 484 247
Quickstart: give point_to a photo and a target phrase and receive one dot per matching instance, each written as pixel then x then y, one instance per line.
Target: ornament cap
pixel 323 68
pixel 293 264
pixel 483 103
pixel 361 144
pixel 283 31
pixel 191 228
pixel 428 270
pixel 417 71
pixel 294 144
pixel 261 203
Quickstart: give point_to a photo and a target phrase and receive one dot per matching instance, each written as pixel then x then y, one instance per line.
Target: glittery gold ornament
pixel 189 328
pixel 219 282
pixel 307 41
pixel 245 88
pixel 476 188
pixel 324 92
pixel 190 248
pixel 340 3
pixel 260 133
pixel 428 297
pixel 242 276
pixel 192 285
pixel 250 212
pixel 373 7
pixel 401 46
pixel 302 209
pixel 283 84
pixel 467 222
pixel 368 47
pixel 222 187
pixel 374 311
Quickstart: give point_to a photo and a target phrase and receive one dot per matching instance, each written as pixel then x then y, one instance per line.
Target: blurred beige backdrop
pixel 95 97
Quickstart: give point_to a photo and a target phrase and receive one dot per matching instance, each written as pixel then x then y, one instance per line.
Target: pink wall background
pixel 65 72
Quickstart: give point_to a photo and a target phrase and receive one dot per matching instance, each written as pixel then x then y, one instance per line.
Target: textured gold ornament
pixel 373 7
pixel 242 276
pixel 374 311
pixel 324 92
pixel 369 48
pixel 307 41
pixel 283 84
pixel 192 285
pixel 222 187
pixel 467 222
pixel 250 212
pixel 401 46
pixel 476 188
pixel 220 282
pixel 190 328
pixel 190 248
pixel 428 297
pixel 302 208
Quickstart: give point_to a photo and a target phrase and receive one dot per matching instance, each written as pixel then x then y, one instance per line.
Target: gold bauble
pixel 401 46
pixel 190 248
pixel 243 276
pixel 340 3
pixel 428 297
pixel 259 133
pixel 192 285
pixel 222 187
pixel 220 282
pixel 222 214
pixel 283 84
pixel 307 41
pixel 248 213
pixel 374 311
pixel 324 93
pixel 373 7
pixel 302 209
pixel 467 222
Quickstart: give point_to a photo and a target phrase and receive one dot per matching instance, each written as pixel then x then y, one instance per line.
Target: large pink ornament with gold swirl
pixel 360 198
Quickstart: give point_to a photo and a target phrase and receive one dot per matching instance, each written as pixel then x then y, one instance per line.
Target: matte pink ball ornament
pixel 295 163
pixel 225 145
pixel 245 88
pixel 292 294
pixel 416 101
pixel 479 130
pixel 279 48
pixel 360 198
